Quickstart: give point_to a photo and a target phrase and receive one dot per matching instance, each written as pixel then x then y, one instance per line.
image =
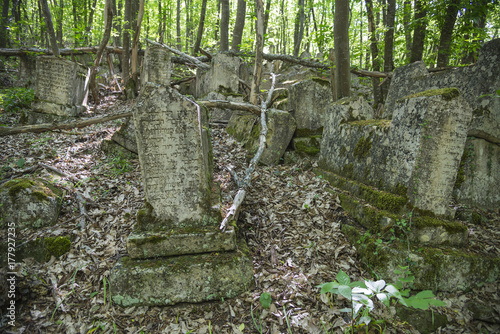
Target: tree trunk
pixel 417 47
pixel 3 27
pixel 259 47
pixel 477 18
pixel 88 35
pixel 178 26
pixel 135 43
pixel 108 15
pixel 377 92
pixel 266 16
pixel 406 25
pixel 188 26
pixel 126 42
pixel 59 20
pixel 389 44
pixel 447 33
pixel 299 29
pixel 50 27
pixel 239 24
pixel 200 27
pixel 341 42
pixel 224 26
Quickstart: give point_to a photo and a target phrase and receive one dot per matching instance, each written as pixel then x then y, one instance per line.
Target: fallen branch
pixel 231 105
pixel 234 210
pixel 181 54
pixel 6 131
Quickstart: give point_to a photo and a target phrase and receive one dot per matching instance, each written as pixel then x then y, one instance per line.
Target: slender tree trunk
pixel 447 33
pixel 389 44
pixel 50 27
pixel 88 35
pixel 239 24
pixel 259 47
pixel 406 24
pixel 108 15
pixel 200 28
pixel 377 92
pixel 188 26
pixel 361 35
pixel 299 29
pixel 3 27
pixel 178 26
pixel 217 22
pixel 417 47
pixel 59 19
pixel 477 18
pixel 135 43
pixel 266 15
pixel 341 41
pixel 126 42
pixel 224 26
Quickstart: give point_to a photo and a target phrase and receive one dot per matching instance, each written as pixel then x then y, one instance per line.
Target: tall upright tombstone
pixel 60 87
pixel 156 66
pixel 177 252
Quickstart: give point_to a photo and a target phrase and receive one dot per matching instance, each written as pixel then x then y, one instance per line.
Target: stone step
pixel 434 268
pixel 182 279
pixel 141 245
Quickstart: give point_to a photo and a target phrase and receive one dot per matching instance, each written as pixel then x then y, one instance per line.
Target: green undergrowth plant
pixel 15 99
pixel 119 165
pixel 362 295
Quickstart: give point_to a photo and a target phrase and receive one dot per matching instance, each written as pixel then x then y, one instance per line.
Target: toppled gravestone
pixel 245 128
pixel 177 253
pixel 59 90
pixel 29 203
pixel 407 164
pixel 40 249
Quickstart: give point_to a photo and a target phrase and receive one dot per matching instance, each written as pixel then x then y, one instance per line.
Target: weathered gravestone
pixel 177 252
pixel 59 88
pixel 223 76
pixel 27 71
pixel 156 66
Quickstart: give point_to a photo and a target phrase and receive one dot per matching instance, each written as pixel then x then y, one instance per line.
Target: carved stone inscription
pixel 171 154
pixel 156 66
pixel 444 132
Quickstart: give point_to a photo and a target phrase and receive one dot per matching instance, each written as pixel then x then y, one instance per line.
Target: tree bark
pixel 341 42
pixel 126 42
pixel 224 26
pixel 377 92
pixel 108 14
pixel 447 33
pixel 59 20
pixel 389 44
pixel 417 47
pixel 178 26
pixel 266 16
pixel 135 43
pixel 406 24
pixel 259 46
pixel 50 27
pixel 3 27
pixel 299 29
pixel 239 24
pixel 199 35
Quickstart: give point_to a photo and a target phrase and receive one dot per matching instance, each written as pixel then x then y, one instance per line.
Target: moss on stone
pixel 343 151
pixel 57 247
pixel 447 93
pixel 461 169
pixel 400 190
pixel 310 147
pixel 363 146
pixel 308 132
pixel 321 81
pixel 452 227
pixel 372 122
pixel 17 185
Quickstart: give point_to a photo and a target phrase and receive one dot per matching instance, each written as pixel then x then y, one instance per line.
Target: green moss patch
pixel 363 146
pixel 447 93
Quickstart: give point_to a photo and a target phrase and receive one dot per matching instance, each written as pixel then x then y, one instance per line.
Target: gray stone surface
pixel 142 245
pixel 419 150
pixel 29 203
pixel 186 279
pixel 59 87
pixel 480 173
pixel 125 137
pixel 220 115
pixel 241 124
pixel 27 71
pixel 281 126
pixel 156 66
pixel 477 84
pixel 308 101
pixel 222 77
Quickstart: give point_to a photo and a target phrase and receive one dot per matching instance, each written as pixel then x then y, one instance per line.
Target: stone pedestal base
pixel 181 279
pixel 141 245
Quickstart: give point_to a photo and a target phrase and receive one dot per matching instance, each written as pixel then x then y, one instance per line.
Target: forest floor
pixel 294 247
